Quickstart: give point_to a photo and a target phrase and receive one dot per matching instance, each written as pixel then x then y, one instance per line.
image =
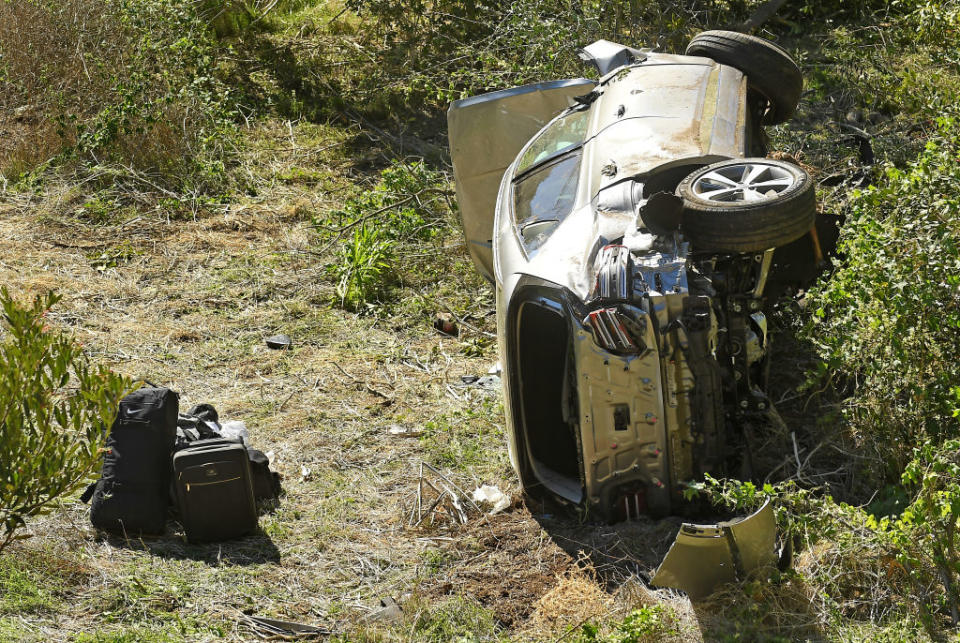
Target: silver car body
pixel 660 117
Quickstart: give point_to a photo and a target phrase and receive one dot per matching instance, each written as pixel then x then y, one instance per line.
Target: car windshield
pixel 563 134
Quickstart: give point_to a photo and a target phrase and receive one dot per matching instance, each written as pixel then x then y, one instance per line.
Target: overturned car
pixel 630 225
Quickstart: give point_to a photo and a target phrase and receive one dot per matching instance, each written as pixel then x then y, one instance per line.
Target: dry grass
pixel 187 304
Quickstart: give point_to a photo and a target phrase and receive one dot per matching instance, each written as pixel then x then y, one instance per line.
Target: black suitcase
pixel 214 491
pixel 131 496
pixel 266 483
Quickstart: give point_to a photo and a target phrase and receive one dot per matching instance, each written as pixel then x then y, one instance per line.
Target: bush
pixel 408 205
pixel 54 407
pixel 121 88
pixel 887 322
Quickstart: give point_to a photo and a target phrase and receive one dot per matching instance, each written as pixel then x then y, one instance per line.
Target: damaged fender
pixel 706 556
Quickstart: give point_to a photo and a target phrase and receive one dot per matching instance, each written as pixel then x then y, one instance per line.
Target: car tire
pixel 769 69
pixel 746 205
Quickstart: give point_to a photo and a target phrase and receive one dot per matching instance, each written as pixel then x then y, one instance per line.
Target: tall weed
pixel 364 266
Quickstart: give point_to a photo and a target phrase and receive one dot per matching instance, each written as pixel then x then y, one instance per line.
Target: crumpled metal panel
pixel 706 556
pixel 486 134
pixel 607 56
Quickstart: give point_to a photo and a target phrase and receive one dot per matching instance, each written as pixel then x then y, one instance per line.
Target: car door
pixel 486 133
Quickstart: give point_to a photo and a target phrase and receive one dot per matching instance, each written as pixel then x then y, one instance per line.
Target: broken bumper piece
pixel 706 556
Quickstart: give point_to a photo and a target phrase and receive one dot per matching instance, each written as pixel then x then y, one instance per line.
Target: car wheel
pixel 746 205
pixel 769 69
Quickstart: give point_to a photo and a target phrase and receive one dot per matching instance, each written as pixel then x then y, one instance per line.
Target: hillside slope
pixel 196 176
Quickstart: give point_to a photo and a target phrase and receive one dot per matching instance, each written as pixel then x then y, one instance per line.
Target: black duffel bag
pixel 132 495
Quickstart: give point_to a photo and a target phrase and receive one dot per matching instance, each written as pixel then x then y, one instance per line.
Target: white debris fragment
pixel 403 431
pixel 305 473
pixel 235 430
pixel 489 495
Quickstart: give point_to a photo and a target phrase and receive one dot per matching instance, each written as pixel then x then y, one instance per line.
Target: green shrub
pixel 408 205
pixel 54 407
pixel 925 534
pixel 887 321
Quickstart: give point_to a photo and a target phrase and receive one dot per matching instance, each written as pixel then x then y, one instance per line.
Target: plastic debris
pixel 490 496
pixel 403 431
pixel 235 430
pixel 305 473
pixel 486 382
pixel 389 611
pixel 279 342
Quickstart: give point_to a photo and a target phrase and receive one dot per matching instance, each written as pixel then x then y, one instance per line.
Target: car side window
pixel 544 197
pixel 562 135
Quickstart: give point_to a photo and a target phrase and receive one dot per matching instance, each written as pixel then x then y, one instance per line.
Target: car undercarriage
pixel 631 226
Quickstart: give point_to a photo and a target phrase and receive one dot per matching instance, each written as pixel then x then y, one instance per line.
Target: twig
pixel 763 13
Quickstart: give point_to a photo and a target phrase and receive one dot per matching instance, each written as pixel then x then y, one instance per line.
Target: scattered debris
pixel 706 556
pixel 489 495
pixel 404 431
pixel 305 473
pixel 277 630
pixel 235 430
pixel 486 382
pixel 389 611
pixel 279 342
pixel 446 324
pixel 439 499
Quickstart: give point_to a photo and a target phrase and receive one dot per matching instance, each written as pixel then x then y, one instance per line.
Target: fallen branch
pixel 763 13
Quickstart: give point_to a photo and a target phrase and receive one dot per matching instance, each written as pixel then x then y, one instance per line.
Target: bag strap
pixel 88 493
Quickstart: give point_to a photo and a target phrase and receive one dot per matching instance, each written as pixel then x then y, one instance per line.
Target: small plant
pixel 647 623
pixel 54 407
pixel 408 205
pixel 364 265
pixel 112 257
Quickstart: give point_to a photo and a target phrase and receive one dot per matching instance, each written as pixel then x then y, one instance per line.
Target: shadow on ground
pixel 255 549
